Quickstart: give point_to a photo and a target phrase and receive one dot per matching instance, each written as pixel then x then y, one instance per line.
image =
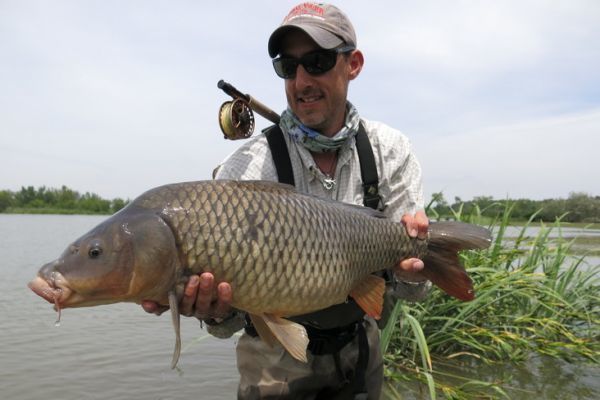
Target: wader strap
pixel 368 168
pixel 281 156
pixel 372 199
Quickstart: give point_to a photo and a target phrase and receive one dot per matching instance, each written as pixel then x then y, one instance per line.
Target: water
pixel 542 378
pixel 107 352
pixel 121 352
pixel 590 250
pixel 565 232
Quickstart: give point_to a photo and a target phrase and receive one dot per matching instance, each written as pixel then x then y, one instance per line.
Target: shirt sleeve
pixel 402 188
pixel 252 161
pixel 401 177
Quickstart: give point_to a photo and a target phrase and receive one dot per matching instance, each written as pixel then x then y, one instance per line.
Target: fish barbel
pixel 283 252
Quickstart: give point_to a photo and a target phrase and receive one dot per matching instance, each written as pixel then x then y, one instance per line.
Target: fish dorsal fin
pixel 177 326
pixel 368 294
pixel 291 335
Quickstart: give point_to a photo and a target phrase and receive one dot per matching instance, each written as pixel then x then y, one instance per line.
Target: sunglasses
pixel 315 63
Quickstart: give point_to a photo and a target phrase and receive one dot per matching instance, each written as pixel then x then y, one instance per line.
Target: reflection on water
pixel 538 378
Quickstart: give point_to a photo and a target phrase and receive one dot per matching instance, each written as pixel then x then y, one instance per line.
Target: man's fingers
pixel 200 299
pixel 186 305
pixel 412 265
pixel 153 307
pixel 409 222
pixel 149 306
pixel 224 297
pixel 422 223
pixel 416 225
pixel 409 270
pixel 205 295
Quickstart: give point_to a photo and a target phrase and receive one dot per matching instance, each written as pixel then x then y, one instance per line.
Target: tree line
pixel 578 207
pixel 60 201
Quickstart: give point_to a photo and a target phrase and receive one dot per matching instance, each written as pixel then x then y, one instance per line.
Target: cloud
pixel 116 97
pixel 546 158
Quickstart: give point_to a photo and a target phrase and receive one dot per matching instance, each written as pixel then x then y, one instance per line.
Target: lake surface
pixel 106 352
pixel 121 352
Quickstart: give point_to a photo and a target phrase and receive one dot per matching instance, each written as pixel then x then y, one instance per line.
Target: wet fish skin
pixel 284 253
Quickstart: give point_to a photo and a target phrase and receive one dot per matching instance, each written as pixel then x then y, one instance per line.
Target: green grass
pixel 533 297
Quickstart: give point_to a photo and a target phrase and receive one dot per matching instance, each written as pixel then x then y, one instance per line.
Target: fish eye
pixel 95 252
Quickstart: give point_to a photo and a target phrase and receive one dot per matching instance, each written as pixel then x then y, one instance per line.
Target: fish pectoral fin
pixel 263 330
pixel 368 294
pixel 175 318
pixel 291 335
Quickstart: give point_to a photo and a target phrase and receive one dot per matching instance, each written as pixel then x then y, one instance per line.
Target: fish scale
pixel 283 253
pixel 278 272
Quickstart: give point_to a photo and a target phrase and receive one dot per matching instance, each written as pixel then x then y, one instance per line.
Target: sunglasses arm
pixel 254 104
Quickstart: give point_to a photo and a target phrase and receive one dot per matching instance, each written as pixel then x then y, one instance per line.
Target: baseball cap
pixel 326 24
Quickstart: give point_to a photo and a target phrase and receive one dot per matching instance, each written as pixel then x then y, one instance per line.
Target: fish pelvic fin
pixel 263 330
pixel 175 318
pixel 368 294
pixel 273 329
pixel 442 265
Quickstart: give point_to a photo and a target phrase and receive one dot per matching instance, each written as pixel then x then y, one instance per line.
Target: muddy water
pixel 107 352
pixel 120 352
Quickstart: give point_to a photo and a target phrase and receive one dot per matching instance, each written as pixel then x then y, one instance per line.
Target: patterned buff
pixel 312 139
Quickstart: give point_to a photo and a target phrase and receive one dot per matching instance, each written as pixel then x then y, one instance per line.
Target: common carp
pixel 283 252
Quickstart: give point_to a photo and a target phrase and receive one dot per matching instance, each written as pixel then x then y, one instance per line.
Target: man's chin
pixel 314 121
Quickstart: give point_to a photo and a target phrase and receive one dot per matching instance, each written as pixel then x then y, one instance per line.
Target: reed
pixel 534 296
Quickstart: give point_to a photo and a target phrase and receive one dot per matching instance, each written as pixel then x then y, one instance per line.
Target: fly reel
pixel 236 119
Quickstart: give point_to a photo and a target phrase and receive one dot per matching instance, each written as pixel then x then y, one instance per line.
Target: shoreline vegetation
pixel 537 296
pixel 43 200
pixel 578 210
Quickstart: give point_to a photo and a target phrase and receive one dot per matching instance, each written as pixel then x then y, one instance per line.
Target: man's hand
pixel 416 226
pixel 201 299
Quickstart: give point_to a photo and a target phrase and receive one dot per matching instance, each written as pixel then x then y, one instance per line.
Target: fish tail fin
pixel 442 265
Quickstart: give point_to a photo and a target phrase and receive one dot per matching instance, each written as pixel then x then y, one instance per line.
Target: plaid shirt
pixel 398 169
pixel 399 185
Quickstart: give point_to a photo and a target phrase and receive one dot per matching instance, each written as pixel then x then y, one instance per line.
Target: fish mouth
pixel 53 289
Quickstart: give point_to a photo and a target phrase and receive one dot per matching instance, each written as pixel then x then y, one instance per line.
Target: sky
pixel 498 98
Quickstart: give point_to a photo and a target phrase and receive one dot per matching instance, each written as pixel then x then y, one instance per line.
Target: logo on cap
pixel 310 10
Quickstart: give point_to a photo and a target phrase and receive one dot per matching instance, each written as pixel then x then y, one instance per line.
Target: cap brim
pixel 322 37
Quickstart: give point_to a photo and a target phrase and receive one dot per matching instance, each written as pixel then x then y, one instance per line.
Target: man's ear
pixel 356 61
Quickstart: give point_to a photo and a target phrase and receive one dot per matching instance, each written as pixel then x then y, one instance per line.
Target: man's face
pixel 319 101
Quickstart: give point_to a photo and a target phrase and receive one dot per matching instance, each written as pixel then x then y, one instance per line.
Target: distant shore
pixel 54 211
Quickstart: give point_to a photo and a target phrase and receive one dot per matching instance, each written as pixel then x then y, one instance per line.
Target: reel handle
pixel 263 110
pixel 254 104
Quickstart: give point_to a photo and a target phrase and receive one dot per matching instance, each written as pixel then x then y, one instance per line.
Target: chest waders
pixel 331 341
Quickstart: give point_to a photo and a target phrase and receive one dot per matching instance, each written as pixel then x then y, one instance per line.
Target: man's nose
pixel 303 79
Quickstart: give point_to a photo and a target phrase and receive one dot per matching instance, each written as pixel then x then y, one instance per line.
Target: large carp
pixel 284 253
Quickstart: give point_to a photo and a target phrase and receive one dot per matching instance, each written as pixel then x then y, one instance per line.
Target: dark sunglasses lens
pixel 319 62
pixel 315 63
pixel 285 67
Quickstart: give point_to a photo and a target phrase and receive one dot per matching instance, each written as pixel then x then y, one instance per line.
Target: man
pixel 315 52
